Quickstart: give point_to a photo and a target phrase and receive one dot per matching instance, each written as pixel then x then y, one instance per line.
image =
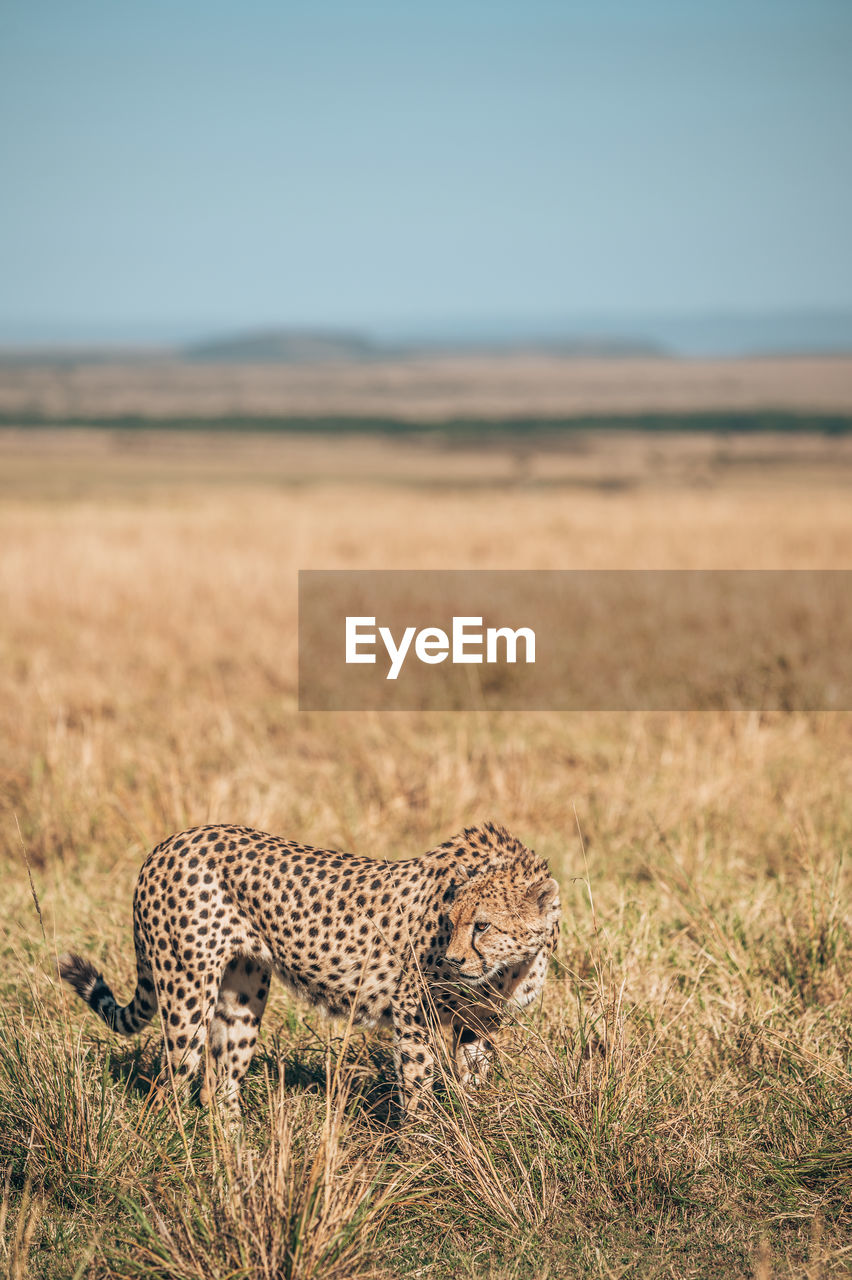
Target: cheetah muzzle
pixel 459 937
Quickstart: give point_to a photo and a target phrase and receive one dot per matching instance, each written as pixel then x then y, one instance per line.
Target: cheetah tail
pixel 89 984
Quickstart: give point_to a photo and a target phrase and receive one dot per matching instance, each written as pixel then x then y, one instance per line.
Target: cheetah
pixel 458 937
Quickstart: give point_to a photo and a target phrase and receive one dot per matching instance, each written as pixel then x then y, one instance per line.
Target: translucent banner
pixel 575 640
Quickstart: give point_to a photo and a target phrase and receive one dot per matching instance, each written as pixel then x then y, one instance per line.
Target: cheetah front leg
pixel 414 1059
pixel 472 1051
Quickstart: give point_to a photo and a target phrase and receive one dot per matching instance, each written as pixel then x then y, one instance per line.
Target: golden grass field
pixel 679 1106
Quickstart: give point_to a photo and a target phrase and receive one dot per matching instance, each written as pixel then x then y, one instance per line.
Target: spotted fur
pixel 219 909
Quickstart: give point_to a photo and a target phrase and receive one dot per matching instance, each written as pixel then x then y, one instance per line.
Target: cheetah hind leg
pixel 186 1002
pixel 234 1030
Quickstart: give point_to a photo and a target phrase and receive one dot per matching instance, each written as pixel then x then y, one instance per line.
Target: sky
pixel 175 169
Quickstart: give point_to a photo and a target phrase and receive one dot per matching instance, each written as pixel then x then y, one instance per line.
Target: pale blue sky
pixel 171 167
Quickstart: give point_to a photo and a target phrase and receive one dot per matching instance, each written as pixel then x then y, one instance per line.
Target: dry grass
pixel 107 466
pixel 428 388
pixel 678 1106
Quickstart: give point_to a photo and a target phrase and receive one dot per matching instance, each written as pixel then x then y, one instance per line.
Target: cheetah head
pixel 498 921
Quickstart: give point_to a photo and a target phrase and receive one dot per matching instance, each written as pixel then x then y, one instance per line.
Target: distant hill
pixel 296 346
pixel 703 334
pixel 286 346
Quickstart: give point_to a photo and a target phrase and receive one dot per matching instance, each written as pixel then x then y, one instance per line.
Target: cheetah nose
pixel 455 960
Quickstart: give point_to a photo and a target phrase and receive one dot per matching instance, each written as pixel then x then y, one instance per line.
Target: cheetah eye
pixel 481 926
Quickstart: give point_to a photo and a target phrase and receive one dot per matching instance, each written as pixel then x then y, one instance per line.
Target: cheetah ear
pixel 542 895
pixel 461 876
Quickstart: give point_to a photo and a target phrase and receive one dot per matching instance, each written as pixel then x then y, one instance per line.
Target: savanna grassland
pixel 678 1106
